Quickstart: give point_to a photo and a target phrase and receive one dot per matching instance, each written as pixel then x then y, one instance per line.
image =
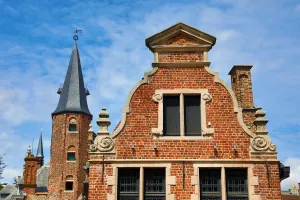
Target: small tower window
pixel 69 183
pixel 71 154
pixel 73 125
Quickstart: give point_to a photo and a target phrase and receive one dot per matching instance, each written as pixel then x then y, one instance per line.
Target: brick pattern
pixel 242 86
pixel 60 168
pixel 249 117
pixel 180 57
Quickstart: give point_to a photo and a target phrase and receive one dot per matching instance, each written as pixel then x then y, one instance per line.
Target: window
pixel 210 184
pixel 129 184
pixel 71 156
pixel 69 183
pixel 236 184
pixel 171 115
pixel 192 117
pixel 154 184
pixel 73 125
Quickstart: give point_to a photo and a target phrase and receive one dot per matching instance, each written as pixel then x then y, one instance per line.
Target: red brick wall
pixel 60 168
pixel 30 171
pixel 180 56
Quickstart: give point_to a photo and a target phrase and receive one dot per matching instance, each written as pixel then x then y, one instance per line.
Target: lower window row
pixel 154 185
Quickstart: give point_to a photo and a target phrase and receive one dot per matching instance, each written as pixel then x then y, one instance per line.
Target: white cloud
pixel 294 178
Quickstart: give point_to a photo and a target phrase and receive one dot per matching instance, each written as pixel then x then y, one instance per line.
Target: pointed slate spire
pixel 40 151
pixel 73 93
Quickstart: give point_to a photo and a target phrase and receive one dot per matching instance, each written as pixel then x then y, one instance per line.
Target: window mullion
pixel 181 114
pixel 223 183
pixel 141 195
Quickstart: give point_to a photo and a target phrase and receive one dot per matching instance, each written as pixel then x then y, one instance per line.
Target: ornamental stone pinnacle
pixel 29 151
pixel 103 122
pixel 260 122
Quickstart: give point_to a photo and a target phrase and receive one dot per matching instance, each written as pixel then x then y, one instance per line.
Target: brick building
pixel 184 133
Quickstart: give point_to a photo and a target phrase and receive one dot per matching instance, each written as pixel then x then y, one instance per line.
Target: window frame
pixel 68 156
pixel 206 130
pixel 73 121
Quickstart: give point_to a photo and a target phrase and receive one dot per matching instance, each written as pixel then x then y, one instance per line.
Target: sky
pixel 36 44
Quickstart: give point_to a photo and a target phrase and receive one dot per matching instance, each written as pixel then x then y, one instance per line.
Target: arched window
pixel 69 183
pixel 73 125
pixel 71 154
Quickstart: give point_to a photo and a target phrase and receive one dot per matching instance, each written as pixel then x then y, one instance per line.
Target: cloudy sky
pixel 36 44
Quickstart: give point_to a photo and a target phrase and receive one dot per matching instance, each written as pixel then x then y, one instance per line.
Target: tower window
pixel 71 156
pixel 73 125
pixel 69 185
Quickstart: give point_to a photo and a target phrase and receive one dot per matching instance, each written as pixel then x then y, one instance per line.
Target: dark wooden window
pixel 192 118
pixel 69 185
pixel 128 183
pixel 210 184
pixel 72 127
pixel 236 184
pixel 154 185
pixel 171 116
pixel 71 156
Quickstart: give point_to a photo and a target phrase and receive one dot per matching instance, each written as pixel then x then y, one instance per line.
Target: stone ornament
pixel 261 142
pixel 206 97
pixel 157 97
pixel 208 132
pixel 156 132
pixel 103 142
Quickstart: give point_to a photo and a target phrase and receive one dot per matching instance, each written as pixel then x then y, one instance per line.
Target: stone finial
pixel 28 151
pixel 103 122
pixel 90 133
pixel 260 122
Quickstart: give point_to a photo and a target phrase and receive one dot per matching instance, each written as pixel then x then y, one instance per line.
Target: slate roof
pixel 8 189
pixel 73 93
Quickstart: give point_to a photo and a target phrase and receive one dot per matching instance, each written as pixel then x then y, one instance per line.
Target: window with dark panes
pixel 192 118
pixel 171 115
pixel 71 156
pixel 69 185
pixel 236 184
pixel 128 183
pixel 72 127
pixel 210 184
pixel 154 185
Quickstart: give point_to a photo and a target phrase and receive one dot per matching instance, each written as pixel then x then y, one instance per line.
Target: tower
pixel 69 142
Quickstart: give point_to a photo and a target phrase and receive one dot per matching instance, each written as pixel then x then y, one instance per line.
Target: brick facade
pixel 133 141
pixel 63 141
pixel 30 170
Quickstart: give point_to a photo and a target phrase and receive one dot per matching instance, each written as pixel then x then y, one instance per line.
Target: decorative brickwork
pixel 62 140
pixel 32 164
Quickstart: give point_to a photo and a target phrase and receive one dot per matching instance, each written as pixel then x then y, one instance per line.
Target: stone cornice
pixel 181 64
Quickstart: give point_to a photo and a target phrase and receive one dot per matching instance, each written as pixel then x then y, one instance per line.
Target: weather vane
pixel 75 37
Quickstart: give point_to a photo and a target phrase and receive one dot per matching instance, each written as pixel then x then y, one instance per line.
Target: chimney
pixel 30 170
pixel 242 85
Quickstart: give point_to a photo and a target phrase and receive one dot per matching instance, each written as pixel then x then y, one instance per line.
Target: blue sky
pixel 36 44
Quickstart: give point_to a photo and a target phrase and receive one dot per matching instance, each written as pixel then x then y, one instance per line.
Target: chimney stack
pixel 30 170
pixel 242 85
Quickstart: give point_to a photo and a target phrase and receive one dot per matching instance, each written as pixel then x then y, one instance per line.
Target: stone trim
pixel 252 180
pixel 203 161
pixel 126 109
pixel 237 109
pixel 205 97
pixel 113 180
pixel 181 64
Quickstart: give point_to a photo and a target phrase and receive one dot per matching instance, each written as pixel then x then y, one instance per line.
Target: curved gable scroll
pixel 236 107
pixel 126 109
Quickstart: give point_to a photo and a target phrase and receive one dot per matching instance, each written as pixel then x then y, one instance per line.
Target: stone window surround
pixel 205 97
pixel 113 180
pixel 252 180
pixel 69 180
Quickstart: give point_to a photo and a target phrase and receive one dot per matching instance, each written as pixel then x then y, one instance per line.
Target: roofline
pixel 211 38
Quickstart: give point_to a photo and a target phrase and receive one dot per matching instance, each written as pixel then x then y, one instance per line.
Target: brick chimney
pixel 32 164
pixel 242 85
